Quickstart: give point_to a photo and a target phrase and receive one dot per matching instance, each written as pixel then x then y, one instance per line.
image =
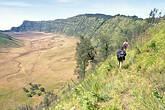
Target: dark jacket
pixel 118 55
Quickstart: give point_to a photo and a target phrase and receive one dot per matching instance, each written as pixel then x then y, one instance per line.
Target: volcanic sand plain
pixel 46 58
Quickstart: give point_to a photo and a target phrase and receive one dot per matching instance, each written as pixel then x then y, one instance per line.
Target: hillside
pixel 91 26
pixel 8 41
pixel 139 85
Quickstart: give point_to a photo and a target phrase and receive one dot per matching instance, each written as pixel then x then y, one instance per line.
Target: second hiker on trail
pixel 125 44
pixel 121 56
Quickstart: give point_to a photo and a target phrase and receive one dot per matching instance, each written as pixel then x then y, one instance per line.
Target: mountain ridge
pixel 97 16
pixel 90 26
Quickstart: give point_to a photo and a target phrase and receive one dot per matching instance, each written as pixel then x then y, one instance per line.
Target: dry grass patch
pixel 46 59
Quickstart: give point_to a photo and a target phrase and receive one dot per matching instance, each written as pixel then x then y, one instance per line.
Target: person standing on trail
pixel 125 44
pixel 121 55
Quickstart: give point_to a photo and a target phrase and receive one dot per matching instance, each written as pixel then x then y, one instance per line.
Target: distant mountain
pixel 8 41
pixel 77 25
pixel 70 26
pixel 117 28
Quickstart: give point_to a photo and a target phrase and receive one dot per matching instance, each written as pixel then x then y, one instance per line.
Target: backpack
pixel 121 54
pixel 125 44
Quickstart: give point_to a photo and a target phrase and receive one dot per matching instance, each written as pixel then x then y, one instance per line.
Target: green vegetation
pixel 35 89
pixel 26 90
pixel 84 54
pixel 105 48
pixel 140 84
pixel 25 107
pixel 42 89
pixel 154 15
pixel 7 41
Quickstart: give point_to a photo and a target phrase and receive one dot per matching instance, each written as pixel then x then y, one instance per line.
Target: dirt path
pixel 125 99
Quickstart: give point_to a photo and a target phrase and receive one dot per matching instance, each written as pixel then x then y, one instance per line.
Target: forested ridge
pixel 88 25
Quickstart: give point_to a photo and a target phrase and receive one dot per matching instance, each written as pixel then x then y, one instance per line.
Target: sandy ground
pixel 46 58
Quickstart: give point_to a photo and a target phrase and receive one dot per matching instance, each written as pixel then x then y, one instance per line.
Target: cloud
pixel 21 4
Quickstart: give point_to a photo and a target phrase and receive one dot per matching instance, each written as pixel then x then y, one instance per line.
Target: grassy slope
pixel 139 85
pixel 8 41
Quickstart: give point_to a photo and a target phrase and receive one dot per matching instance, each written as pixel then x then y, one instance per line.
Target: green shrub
pixel 39 94
pixel 42 89
pixel 29 95
pixel 33 93
pixel 26 90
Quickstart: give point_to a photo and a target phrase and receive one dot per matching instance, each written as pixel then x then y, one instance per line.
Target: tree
pixel 155 15
pixel 29 95
pixel 26 90
pixel 104 47
pixel 35 86
pixel 39 94
pixel 33 93
pixel 84 54
pixel 42 89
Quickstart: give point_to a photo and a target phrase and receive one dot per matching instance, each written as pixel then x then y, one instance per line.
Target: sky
pixel 14 12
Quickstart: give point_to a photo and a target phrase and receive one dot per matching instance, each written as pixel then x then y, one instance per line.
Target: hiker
pixel 121 55
pixel 125 44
